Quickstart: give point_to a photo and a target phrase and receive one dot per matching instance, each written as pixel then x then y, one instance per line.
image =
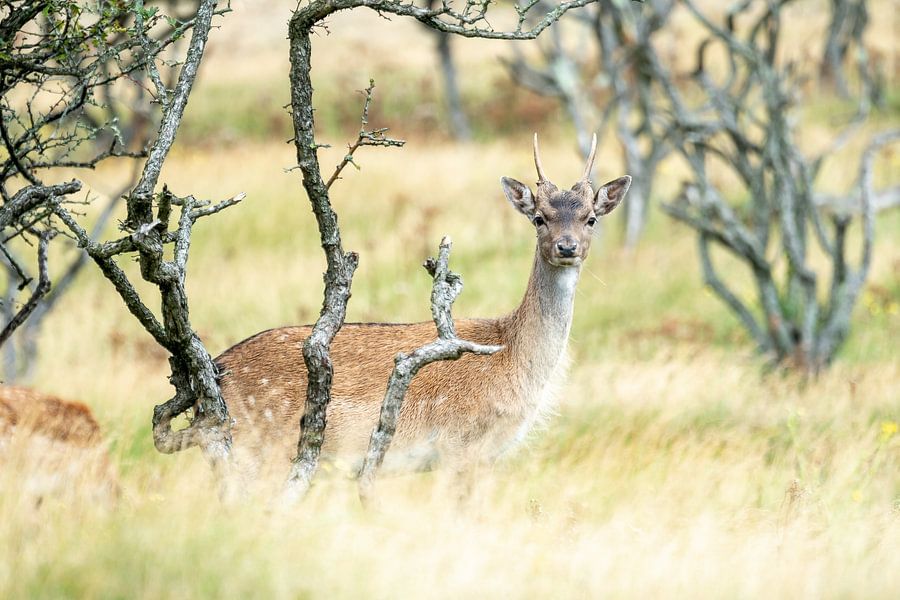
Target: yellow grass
pixel 675 468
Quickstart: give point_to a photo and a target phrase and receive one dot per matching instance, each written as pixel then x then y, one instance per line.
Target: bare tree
pixel 460 128
pixel 846 27
pixel 745 126
pixel 622 36
pixel 456 112
pixel 68 72
pixel 39 208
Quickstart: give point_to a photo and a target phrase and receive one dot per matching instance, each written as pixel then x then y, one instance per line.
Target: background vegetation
pixel 675 468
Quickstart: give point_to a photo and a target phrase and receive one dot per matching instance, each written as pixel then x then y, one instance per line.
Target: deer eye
pixel 592 221
pixel 538 221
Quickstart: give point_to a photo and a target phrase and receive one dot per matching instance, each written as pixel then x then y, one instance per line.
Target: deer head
pixel 565 219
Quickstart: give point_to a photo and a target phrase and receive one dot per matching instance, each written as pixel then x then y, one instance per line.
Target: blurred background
pixel 684 460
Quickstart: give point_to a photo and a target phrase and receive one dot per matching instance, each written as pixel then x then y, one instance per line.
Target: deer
pixel 461 412
pixel 51 446
pixel 26 409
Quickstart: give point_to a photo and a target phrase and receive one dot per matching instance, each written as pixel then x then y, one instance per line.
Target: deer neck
pixel 540 326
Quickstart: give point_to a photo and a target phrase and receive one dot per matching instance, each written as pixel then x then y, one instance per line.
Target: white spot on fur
pixel 268 414
pixel 263 381
pixel 251 400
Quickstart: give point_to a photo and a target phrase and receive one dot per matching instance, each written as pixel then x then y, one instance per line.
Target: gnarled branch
pixel 446 287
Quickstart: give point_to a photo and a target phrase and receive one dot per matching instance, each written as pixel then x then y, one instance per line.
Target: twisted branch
pixel 445 288
pixel 39 292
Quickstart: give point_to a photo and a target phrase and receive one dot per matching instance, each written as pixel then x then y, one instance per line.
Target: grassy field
pixel 675 468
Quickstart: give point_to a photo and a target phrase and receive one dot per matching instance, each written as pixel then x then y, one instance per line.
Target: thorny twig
pixel 375 137
pixel 63 64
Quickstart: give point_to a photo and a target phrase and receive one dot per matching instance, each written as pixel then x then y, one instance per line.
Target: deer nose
pixel 567 248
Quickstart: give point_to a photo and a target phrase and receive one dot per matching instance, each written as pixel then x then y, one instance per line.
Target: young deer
pixel 467 410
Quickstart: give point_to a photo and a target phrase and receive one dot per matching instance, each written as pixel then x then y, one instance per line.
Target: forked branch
pixel 375 137
pixel 445 289
pixel 175 101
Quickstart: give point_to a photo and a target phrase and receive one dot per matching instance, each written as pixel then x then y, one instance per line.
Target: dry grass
pixel 675 468
pixel 685 475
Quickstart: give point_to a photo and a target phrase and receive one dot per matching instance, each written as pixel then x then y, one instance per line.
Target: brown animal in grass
pixel 48 416
pixel 50 446
pixel 463 411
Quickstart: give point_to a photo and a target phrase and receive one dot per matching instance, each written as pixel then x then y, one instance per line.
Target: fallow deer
pixel 472 409
pixel 50 446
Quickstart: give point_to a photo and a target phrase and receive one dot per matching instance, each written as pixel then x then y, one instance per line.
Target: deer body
pixel 464 411
pixel 475 406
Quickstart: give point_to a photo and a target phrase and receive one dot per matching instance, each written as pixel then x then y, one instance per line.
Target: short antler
pixel 537 162
pixel 590 160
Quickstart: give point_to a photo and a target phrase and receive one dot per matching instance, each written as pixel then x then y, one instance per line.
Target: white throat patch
pixel 567 280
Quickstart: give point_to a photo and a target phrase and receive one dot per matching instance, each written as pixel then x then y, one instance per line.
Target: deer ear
pixel 519 195
pixel 610 195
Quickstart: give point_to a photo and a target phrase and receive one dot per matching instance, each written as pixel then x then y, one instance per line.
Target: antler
pixel 542 178
pixel 537 162
pixel 590 160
